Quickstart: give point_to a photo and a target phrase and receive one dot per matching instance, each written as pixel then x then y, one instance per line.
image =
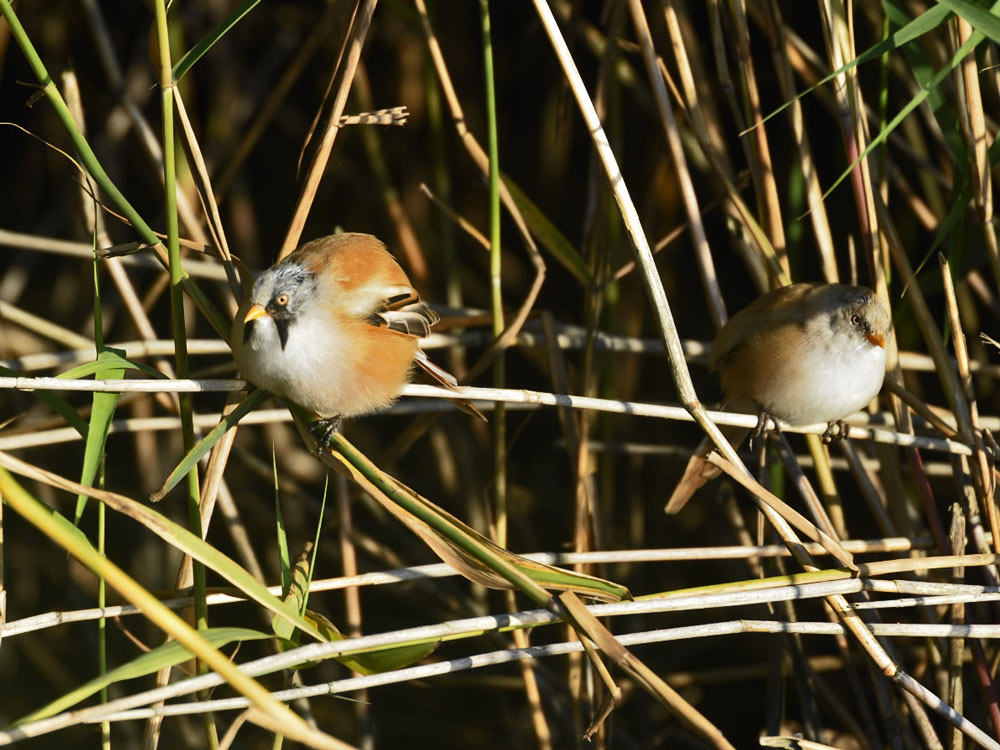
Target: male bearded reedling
pixel 334 328
pixel 804 353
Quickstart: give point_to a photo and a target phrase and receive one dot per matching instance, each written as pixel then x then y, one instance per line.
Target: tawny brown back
pixel 351 256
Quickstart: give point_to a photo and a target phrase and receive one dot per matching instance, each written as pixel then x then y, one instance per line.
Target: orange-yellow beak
pixel 876 338
pixel 255 311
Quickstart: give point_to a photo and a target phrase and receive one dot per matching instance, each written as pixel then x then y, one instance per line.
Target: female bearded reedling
pixel 334 328
pixel 804 353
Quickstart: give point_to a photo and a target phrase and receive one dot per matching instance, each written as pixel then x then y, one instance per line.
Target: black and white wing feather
pixel 404 313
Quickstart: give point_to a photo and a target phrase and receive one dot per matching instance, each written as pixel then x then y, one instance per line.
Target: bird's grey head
pixel 282 291
pixel 858 310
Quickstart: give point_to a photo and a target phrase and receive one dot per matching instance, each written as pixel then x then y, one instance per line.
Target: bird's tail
pixel 699 470
pixel 445 378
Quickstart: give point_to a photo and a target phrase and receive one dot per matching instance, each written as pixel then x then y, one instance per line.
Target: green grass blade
pixel 966 49
pixel 93 165
pixel 167 655
pixel 950 226
pixel 206 443
pixel 982 20
pixel 382 660
pixel 70 539
pixel 458 544
pixel 922 68
pixel 292 593
pixel 910 31
pixel 281 535
pixel 315 549
pixel 549 235
pixel 57 403
pixel 101 366
pixel 183 540
pixel 182 66
pixel 65 525
pixel 102 413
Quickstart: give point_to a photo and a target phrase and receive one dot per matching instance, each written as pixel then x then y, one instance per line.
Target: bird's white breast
pixel 308 370
pixel 828 378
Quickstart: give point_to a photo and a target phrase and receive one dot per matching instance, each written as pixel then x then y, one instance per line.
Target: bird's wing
pixel 777 307
pixel 402 312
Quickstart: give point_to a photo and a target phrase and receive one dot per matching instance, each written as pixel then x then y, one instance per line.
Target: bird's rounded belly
pixel 316 370
pixel 315 380
pixel 832 389
pixel 305 370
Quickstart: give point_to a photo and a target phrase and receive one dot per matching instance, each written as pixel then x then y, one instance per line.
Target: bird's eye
pixel 281 300
pixel 856 320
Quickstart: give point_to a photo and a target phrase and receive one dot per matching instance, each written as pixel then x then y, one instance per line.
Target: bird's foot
pixel 761 427
pixel 323 429
pixel 835 432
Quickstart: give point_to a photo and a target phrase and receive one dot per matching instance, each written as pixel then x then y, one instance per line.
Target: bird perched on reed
pixel 804 354
pixel 335 328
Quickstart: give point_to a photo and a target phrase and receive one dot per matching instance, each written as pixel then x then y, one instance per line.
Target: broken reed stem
pixel 982 476
pixel 358 34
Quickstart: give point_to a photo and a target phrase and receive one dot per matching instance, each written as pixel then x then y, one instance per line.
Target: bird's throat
pixel 254 333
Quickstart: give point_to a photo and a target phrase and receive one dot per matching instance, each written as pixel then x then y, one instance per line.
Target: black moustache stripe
pixel 282 326
pixel 247 329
